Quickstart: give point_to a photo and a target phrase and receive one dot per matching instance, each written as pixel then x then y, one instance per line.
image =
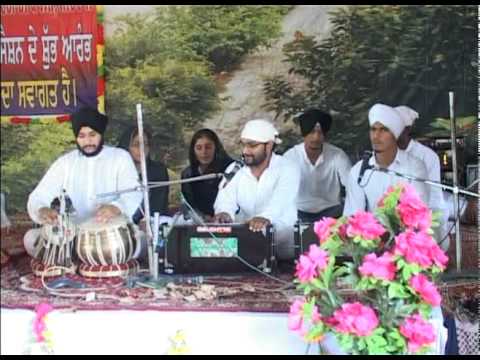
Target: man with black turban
pixel 84 173
pixel 323 167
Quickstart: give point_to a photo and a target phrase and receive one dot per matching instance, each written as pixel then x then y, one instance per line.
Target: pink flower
pixel 382 267
pixel 365 225
pixel 356 319
pixel 38 329
pixel 39 326
pixel 426 289
pixel 309 265
pixel 390 189
pixel 420 248
pixel 323 228
pixel 296 317
pixel 418 332
pixel 306 270
pixel 318 256
pixel 43 309
pixel 438 256
pixel 415 247
pixel 342 231
pixel 412 210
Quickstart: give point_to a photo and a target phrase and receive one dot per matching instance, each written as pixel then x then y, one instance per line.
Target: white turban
pixel 388 117
pixel 260 130
pixel 407 114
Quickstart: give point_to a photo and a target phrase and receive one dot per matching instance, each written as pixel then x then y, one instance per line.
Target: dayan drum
pixel 107 250
pixel 51 247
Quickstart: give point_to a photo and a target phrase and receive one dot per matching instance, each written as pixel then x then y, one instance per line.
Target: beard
pixel 255 160
pixel 91 154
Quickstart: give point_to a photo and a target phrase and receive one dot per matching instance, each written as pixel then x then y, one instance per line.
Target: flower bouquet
pixel 391 277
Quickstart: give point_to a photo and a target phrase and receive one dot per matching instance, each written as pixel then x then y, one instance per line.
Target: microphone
pixel 229 176
pixel 365 166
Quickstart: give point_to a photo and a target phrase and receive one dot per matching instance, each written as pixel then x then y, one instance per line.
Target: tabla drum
pixel 107 250
pixel 51 246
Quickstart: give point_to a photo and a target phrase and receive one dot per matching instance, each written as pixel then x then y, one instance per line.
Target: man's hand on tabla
pixel 105 213
pixel 48 216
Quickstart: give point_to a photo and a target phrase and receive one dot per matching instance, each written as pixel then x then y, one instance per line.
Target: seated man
pixel 323 168
pixel 83 173
pixel 366 185
pixel 156 170
pixel 264 191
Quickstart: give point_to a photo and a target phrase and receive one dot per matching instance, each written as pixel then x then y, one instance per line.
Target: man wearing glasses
pixel 264 191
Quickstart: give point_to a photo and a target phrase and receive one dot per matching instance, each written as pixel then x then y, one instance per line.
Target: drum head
pixel 94 225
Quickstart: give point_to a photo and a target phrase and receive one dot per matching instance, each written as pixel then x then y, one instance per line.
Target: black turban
pixel 309 118
pixel 88 117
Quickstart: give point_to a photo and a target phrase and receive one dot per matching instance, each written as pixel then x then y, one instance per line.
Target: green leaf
pixel 396 290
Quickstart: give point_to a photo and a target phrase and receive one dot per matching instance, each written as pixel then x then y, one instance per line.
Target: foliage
pixel 27 152
pixel 166 60
pixel 394 260
pixel 219 34
pixel 173 95
pixel 412 55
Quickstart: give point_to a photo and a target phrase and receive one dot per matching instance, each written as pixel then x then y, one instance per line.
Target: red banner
pixel 48 59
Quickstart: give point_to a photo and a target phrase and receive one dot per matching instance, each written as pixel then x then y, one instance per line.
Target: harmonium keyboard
pixel 215 248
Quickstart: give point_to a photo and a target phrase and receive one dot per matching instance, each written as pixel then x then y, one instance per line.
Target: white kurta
pixel 432 163
pixel 273 197
pixel 320 184
pixel 374 183
pixel 85 177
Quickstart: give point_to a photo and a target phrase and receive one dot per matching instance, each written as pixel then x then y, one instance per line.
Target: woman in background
pixel 206 156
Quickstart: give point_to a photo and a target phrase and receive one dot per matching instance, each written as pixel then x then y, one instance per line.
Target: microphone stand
pixel 146 197
pixel 455 191
pixel 152 254
pixel 453 135
pixel 155 184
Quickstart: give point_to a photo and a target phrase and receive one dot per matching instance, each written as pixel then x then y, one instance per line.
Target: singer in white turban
pixel 366 183
pixel 86 172
pixel 432 164
pixel 264 191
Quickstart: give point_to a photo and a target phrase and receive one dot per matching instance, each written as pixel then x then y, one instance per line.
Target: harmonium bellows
pixel 216 248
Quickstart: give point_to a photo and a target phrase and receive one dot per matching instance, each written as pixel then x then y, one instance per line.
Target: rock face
pixel 243 95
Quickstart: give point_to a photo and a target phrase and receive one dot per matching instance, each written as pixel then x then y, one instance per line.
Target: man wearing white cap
pixel 432 164
pixel 366 185
pixel 264 191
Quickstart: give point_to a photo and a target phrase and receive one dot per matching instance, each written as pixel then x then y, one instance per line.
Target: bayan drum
pixel 107 250
pixel 51 246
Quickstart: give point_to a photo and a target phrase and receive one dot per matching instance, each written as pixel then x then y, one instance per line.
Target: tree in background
pixel 168 60
pixel 27 153
pixel 410 55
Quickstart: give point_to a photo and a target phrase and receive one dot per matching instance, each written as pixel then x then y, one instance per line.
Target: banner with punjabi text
pixel 51 61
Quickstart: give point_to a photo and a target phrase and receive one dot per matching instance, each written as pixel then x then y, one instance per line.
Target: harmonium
pixel 304 236
pixel 215 248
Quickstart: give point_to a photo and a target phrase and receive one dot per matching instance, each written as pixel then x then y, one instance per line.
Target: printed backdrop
pixel 49 61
